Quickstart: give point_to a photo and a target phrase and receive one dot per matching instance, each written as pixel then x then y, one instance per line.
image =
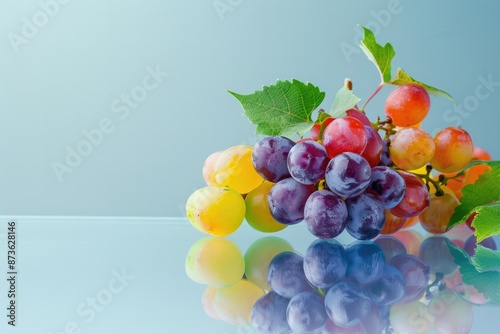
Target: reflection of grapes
pixel 325 263
pixel 416 275
pixel 306 313
pixel 259 255
pixel 286 275
pixel 390 246
pixel 435 252
pixel 269 313
pixel 346 304
pixel 452 314
pixel 413 317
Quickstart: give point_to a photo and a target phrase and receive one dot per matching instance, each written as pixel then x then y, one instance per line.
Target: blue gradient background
pixel 65 79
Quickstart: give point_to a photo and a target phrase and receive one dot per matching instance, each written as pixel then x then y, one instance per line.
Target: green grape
pixel 411 148
pixel 215 261
pixel 234 169
pixel 257 213
pixel 215 210
pixel 259 255
pixel 234 303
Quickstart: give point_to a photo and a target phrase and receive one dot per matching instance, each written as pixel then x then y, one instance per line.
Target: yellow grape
pixel 215 210
pixel 411 148
pixel 234 303
pixel 258 214
pixel 208 169
pixel 215 261
pixel 258 257
pixel 234 169
pixel 436 217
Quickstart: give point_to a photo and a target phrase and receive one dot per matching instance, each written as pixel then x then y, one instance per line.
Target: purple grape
pixel 385 158
pixel 348 174
pixel 391 246
pixel 306 313
pixel 434 252
pixel 287 199
pixel 307 161
pixel 286 274
pixel 325 214
pixel 269 157
pixel 325 263
pixel 269 314
pixel 389 288
pixel 366 262
pixel 470 244
pixel 346 304
pixel 387 186
pixel 366 216
pixel 416 275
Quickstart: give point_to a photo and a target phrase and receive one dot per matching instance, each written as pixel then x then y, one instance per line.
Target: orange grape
pixel 454 150
pixel 407 105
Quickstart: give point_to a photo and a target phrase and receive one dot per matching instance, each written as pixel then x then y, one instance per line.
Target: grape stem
pixel 427 177
pixel 379 87
pixel 386 125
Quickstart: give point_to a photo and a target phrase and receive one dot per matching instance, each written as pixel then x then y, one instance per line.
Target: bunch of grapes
pixel 350 174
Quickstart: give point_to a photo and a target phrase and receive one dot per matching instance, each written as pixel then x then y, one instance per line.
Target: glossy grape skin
pixel 346 304
pixel 269 314
pixel 366 216
pixel 411 148
pixel 416 275
pixel 258 257
pixel 360 116
pixel 366 262
pixel 385 156
pixel 287 200
pixel 345 134
pixel 286 275
pixel 436 217
pixel 234 303
pixel 348 175
pixel 269 157
pixel 387 185
pixel 416 198
pixel 374 147
pixel 258 214
pixel 435 252
pixel 325 214
pixel 407 105
pixel 208 169
pixel 454 150
pixel 307 161
pixel 215 210
pixel 215 261
pixel 392 223
pixel 306 313
pixel 234 169
pixel 325 263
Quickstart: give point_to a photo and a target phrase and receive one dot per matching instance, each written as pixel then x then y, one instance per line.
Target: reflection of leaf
pixel 284 108
pixel 402 78
pixel 344 100
pixel 486 259
pixel 486 282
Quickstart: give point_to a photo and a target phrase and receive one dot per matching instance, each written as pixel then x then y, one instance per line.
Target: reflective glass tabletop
pixel 128 275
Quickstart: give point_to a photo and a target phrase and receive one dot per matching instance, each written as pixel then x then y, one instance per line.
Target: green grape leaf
pixel 486 259
pixel 484 191
pixel 487 221
pixel 487 282
pixel 284 108
pixel 380 55
pixel 343 101
pixel 402 78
